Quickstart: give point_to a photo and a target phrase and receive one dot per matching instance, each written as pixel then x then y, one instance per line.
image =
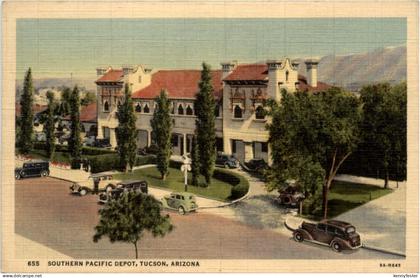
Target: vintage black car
pixel 255 165
pixel 339 235
pixel 33 168
pixel 290 196
pixel 227 161
pixel 102 143
pixel 140 186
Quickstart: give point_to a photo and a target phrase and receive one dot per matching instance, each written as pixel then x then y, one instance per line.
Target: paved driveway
pixel 49 216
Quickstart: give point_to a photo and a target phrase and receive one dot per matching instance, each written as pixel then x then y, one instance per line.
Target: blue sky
pixel 58 47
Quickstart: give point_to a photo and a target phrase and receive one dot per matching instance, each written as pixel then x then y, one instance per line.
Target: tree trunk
pixel 325 199
pixel 135 246
pixel 386 185
pixel 163 176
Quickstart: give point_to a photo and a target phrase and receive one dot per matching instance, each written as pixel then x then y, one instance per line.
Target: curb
pixel 382 250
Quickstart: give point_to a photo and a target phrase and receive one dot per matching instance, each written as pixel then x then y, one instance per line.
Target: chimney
pixel 227 68
pixel 273 86
pixel 101 71
pixel 127 69
pixel 311 72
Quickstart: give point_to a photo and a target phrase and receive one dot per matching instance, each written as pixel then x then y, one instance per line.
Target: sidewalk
pixel 369 181
pixel 381 222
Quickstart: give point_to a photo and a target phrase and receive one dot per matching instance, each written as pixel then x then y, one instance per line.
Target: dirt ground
pixel 48 214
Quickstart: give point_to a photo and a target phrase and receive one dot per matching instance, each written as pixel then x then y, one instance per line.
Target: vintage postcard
pixel 210 136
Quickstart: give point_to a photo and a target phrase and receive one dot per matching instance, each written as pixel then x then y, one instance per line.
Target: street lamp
pixel 186 167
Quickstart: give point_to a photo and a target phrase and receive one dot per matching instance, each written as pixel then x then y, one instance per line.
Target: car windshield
pixel 351 230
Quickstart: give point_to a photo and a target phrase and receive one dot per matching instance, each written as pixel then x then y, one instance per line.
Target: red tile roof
pixel 112 75
pixel 179 84
pixel 87 113
pixel 36 108
pixel 248 72
pixel 259 72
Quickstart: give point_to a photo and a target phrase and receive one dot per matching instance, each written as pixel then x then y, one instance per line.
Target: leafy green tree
pixel 205 124
pixel 195 161
pixel 128 217
pixel 162 127
pixel 26 115
pixel 88 99
pixel 75 144
pixel 50 126
pixel 63 109
pixel 384 128
pixel 126 132
pixel 311 135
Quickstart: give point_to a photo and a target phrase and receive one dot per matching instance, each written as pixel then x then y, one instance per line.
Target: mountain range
pixel 350 71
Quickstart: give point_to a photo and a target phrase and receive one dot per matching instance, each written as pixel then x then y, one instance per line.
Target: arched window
pixel 138 108
pixel 189 111
pixel 217 111
pixel 259 113
pixel 146 109
pixel 287 75
pixel 237 113
pixel 180 110
pixel 106 106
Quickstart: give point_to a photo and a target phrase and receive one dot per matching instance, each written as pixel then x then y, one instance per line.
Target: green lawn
pixel 218 189
pixel 344 196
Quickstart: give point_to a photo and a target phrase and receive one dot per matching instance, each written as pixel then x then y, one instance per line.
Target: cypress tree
pixel 49 126
pixel 205 124
pixel 195 161
pixel 162 127
pixel 26 116
pixel 126 132
pixel 75 144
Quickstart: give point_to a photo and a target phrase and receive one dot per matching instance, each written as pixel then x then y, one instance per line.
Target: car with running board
pixel 140 186
pixel 183 202
pixel 336 234
pixel 33 168
pixel 96 183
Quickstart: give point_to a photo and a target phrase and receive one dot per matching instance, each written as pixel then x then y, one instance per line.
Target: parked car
pixel 183 202
pixel 140 186
pixel 102 143
pixel 89 141
pixel 337 234
pixel 33 168
pixel 96 183
pixel 227 161
pixel 256 164
pixel 290 196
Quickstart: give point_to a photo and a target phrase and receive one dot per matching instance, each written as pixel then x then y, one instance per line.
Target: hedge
pixel 109 162
pixel 147 159
pixel 240 185
pixel 96 151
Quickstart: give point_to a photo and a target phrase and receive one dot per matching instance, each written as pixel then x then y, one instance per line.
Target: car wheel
pixel 297 236
pixel 336 246
pixel 17 176
pixel 44 174
pixel 83 192
pixel 181 210
pixel 108 188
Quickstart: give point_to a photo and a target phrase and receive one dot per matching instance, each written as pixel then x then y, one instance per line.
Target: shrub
pixel 175 164
pixel 239 191
pixel 152 149
pixel 95 151
pixel 240 185
pixel 226 177
pixel 146 159
pixel 105 162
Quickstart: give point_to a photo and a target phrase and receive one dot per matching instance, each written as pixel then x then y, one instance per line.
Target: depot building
pixel 240 92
